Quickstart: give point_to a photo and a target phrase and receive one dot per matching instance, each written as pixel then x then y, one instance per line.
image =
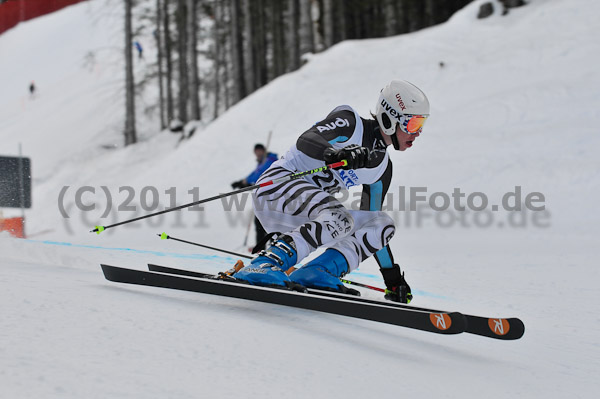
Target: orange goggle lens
pixel 415 124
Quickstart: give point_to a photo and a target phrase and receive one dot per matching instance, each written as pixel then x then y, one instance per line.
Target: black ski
pixel 440 323
pixel 498 328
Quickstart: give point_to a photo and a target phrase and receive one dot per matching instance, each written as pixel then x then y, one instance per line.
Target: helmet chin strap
pixel 395 141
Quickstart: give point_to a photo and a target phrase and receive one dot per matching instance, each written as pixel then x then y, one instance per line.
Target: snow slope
pixel 515 105
pixel 74 56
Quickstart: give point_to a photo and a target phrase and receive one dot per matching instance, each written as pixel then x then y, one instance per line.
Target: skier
pixel 264 160
pixel 140 49
pixel 310 217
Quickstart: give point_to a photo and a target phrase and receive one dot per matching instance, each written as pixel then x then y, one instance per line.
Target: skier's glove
pixel 357 157
pixel 238 184
pixel 397 289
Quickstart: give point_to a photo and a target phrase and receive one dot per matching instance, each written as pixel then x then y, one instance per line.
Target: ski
pixel 497 328
pixel 435 322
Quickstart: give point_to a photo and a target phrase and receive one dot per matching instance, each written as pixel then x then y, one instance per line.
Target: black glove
pixel 397 289
pixel 238 184
pixel 357 157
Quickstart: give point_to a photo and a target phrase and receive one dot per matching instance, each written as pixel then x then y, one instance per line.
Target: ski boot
pixel 269 267
pixel 324 273
pixel 228 275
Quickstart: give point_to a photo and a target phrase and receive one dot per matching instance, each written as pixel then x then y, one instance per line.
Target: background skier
pixel 264 159
pixel 139 48
pixel 310 217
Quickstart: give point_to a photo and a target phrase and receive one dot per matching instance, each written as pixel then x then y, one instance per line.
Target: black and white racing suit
pixel 306 210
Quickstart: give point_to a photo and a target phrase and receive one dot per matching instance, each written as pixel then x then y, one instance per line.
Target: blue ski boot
pixel 269 267
pixel 324 273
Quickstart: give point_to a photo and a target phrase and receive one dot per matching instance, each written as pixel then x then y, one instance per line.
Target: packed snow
pixel 515 104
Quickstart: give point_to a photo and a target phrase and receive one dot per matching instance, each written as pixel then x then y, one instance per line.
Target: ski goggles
pixel 412 124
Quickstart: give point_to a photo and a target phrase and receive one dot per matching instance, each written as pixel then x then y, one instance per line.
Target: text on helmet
pixel 390 110
pixel 400 102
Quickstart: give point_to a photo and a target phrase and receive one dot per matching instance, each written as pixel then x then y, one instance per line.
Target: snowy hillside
pixel 514 105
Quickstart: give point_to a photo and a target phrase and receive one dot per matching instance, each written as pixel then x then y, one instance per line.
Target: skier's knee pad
pixel 367 239
pixel 338 222
pixel 386 227
pixel 380 228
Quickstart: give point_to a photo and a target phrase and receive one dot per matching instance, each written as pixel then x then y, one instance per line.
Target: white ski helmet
pixel 401 103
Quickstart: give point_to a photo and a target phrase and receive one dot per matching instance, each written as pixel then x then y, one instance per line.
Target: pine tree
pixel 130 133
pixel 194 81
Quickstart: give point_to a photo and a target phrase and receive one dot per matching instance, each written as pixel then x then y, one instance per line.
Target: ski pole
pixel 363 285
pixel 293 269
pixel 165 236
pixel 293 176
pixel 248 231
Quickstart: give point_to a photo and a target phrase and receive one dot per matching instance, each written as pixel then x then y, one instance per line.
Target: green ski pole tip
pixel 164 236
pixel 98 229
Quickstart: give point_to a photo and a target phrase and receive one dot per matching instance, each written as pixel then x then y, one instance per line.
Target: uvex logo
pixel 441 321
pixel 499 326
pixel 392 111
pixel 400 102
